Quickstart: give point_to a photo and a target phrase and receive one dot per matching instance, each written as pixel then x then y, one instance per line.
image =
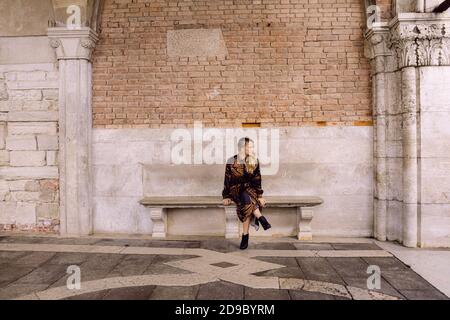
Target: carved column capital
pixel 376 47
pixel 73 44
pixel 73 49
pixel 419 42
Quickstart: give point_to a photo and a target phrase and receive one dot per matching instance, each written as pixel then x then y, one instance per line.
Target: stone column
pixel 73 50
pixel 409 136
pixel 420 42
pixel 376 37
pixel 420 5
pixel 410 59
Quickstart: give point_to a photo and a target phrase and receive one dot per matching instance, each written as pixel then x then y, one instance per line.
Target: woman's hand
pixel 227 202
pixel 262 202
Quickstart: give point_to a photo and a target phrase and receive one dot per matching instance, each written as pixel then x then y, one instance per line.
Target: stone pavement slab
pixel 10 273
pixel 104 261
pixel 286 272
pixel 175 244
pixel 285 261
pixel 387 264
pixel 423 295
pixel 174 293
pixel 319 269
pixel 313 246
pixel 203 269
pixel 132 265
pixel 355 246
pixel 220 290
pixel 385 287
pixel 133 293
pixel 406 280
pixel 7 256
pixel 159 266
pixel 349 267
pixel 98 295
pixel 292 269
pixel 47 240
pixel 431 264
pixel 219 245
pixel 274 246
pixel 265 294
pixel 34 259
pixel 15 290
pixel 306 295
pixel 65 258
pixel 46 274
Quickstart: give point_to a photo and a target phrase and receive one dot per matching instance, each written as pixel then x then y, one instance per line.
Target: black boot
pixel 265 224
pixel 244 242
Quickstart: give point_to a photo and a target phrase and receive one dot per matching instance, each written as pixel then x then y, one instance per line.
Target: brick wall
pixel 289 63
pixel 29 186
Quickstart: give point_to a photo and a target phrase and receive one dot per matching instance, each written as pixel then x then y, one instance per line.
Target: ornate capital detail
pixel 421 44
pixel 72 44
pixel 55 43
pixel 88 44
pixel 375 47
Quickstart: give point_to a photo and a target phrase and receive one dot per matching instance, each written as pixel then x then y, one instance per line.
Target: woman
pixel 242 185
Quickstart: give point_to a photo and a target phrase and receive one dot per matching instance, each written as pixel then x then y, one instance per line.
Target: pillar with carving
pixel 411 53
pixel 73 49
pixel 376 38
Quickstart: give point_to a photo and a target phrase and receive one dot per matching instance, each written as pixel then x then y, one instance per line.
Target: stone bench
pixel 159 205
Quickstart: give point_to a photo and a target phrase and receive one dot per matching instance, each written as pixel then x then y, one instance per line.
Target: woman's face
pixel 249 148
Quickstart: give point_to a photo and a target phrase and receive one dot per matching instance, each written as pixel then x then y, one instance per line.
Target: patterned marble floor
pixel 213 268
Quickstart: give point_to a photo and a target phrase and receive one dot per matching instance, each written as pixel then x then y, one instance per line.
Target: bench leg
pixel 232 224
pixel 159 219
pixel 304 223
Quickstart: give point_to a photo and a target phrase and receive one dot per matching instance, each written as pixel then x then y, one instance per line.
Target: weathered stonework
pixel 31 118
pixel 419 43
pixel 28 114
pixel 73 51
pixel 398 51
pixel 294 71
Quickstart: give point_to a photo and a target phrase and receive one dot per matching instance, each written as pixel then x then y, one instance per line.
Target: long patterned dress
pixel 242 187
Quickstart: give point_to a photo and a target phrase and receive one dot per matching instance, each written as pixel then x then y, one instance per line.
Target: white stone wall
pixel 29 196
pixel 434 168
pixel 334 163
pixel 433 157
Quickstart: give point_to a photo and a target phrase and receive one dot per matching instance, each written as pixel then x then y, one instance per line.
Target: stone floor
pixel 212 268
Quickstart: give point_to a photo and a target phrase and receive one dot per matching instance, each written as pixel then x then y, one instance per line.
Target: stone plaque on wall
pixel 195 43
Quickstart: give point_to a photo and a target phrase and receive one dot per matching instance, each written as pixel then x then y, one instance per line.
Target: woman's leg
pixel 257 213
pixel 245 234
pixel 246 226
pixel 246 211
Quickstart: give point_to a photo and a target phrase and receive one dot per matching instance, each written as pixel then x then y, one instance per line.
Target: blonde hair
pixel 250 161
